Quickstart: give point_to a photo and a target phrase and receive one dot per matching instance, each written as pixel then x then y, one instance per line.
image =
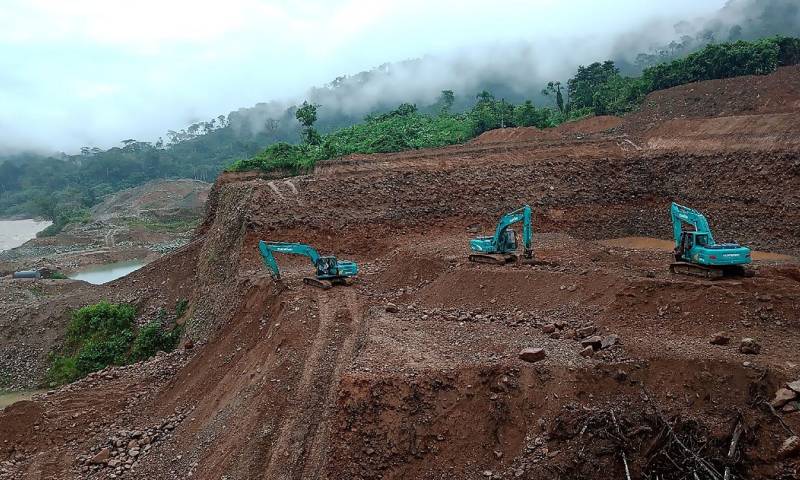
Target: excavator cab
pixel 326 267
pixel 508 241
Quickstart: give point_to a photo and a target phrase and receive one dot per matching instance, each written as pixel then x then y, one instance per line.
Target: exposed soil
pixel 414 370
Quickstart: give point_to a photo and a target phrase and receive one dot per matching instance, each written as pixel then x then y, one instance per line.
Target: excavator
pixel 696 252
pixel 501 247
pixel 330 271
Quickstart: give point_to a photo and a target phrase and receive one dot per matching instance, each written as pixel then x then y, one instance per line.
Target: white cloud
pixel 94 72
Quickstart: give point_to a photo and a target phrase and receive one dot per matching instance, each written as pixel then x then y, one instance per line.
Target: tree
pixel 446 100
pixel 526 115
pixel 582 87
pixel 307 115
pixel 553 89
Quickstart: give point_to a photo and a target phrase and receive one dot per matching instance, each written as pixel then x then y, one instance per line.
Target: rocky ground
pixel 592 364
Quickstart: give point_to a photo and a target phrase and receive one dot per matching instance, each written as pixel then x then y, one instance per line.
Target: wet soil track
pixel 292 383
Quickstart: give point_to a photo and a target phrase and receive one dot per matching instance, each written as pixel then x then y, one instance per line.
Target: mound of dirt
pixel 589 125
pixel 585 126
pixel 159 199
pixel 778 92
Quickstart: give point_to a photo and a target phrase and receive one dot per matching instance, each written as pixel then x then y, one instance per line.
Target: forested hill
pixel 62 186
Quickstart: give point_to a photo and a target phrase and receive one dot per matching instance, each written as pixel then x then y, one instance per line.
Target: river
pixel 14 233
pixel 99 274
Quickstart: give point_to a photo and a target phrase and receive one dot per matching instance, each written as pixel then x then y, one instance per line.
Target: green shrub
pixel 104 334
pixel 64 218
pixel 152 339
pixel 716 61
pixel 180 307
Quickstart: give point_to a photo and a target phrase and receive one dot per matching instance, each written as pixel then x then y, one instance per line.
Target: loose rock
pixel 719 338
pixel 749 346
pixel 101 457
pixel 609 341
pixel 790 447
pixel 782 397
pixel 595 342
pixel 532 354
pixel 392 308
pixel 588 351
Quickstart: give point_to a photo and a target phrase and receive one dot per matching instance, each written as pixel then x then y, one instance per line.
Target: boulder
pixel 586 331
pixel 791 407
pixel 790 447
pixel 794 386
pixel 594 341
pixel 532 354
pixel 392 308
pixel 719 338
pixel 101 457
pixel 749 346
pixel 782 397
pixel 609 341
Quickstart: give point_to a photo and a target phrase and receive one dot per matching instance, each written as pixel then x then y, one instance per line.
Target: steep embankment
pixel 288 382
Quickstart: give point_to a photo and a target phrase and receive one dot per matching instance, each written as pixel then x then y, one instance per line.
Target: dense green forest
pixel 597 89
pixel 61 187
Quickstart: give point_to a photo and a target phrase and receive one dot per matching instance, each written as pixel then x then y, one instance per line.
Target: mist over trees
pixel 441 100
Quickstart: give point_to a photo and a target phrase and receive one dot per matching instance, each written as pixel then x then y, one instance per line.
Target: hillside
pixel 414 371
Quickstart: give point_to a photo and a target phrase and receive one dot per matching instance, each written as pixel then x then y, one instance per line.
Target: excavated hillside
pixel 415 371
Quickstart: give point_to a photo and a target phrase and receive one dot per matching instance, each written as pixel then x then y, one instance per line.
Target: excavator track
pixel 711 273
pixel 492 259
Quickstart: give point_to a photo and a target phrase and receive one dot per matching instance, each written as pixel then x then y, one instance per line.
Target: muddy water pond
pixel 7 398
pixel 14 233
pixel 99 274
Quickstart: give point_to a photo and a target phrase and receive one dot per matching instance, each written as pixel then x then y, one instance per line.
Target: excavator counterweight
pixel 329 270
pixel 696 252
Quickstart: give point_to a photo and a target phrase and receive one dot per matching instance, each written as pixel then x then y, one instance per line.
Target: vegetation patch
pixel 105 334
pixel 162 226
pixel 596 89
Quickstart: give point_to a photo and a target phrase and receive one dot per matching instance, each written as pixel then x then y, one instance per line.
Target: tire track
pixel 301 439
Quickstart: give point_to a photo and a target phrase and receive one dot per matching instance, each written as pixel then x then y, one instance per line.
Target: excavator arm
pixel 681 215
pixel 266 249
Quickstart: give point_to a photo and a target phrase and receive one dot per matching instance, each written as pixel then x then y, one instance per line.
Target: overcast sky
pixel 94 72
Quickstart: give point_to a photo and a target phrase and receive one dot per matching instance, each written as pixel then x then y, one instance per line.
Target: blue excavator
pixel 696 252
pixel 501 247
pixel 329 270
